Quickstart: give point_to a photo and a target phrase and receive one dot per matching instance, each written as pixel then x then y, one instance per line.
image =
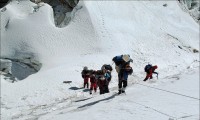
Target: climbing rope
pixel 174 118
pixel 168 91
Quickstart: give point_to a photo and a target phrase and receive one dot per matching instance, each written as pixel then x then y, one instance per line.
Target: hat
pixel 155 66
pixel 126 58
pixel 103 67
pixel 85 68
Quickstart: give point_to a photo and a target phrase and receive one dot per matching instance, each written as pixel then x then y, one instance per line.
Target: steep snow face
pixel 42 39
pixel 148 31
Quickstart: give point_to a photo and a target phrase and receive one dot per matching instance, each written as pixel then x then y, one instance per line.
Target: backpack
pixel 99 75
pixel 87 72
pixel 147 67
pixel 117 60
pixel 107 67
pixel 84 72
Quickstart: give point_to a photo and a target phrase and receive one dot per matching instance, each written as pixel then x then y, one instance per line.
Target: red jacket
pixel 93 79
pixel 86 78
pixel 151 70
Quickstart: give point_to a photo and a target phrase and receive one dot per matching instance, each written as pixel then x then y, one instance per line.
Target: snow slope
pixel 140 103
pixel 146 30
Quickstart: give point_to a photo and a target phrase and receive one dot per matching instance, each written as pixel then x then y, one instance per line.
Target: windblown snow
pixel 99 30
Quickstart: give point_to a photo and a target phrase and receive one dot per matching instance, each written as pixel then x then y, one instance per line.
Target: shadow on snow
pixel 95 102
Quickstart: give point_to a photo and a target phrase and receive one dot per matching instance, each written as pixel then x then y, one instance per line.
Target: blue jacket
pixel 123 74
pixel 107 76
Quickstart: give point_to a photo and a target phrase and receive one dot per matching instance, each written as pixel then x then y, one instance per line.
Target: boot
pixel 145 79
pixel 101 92
pixel 123 90
pixel 120 91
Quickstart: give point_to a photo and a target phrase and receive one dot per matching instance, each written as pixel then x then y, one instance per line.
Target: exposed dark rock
pixel 19 69
pixel 180 47
pixel 192 7
pixel 165 5
pixel 3 3
pixel 60 8
pixel 195 51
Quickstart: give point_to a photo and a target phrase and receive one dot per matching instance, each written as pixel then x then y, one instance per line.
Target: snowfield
pixel 148 31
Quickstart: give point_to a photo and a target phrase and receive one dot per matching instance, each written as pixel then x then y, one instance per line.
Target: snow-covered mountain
pixel 157 32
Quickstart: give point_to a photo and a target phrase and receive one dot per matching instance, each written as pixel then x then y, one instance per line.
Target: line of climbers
pixel 101 78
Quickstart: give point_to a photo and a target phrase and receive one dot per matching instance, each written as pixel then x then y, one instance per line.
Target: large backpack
pixel 84 72
pixel 87 72
pixel 147 67
pixel 107 67
pixel 99 75
pixel 117 60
